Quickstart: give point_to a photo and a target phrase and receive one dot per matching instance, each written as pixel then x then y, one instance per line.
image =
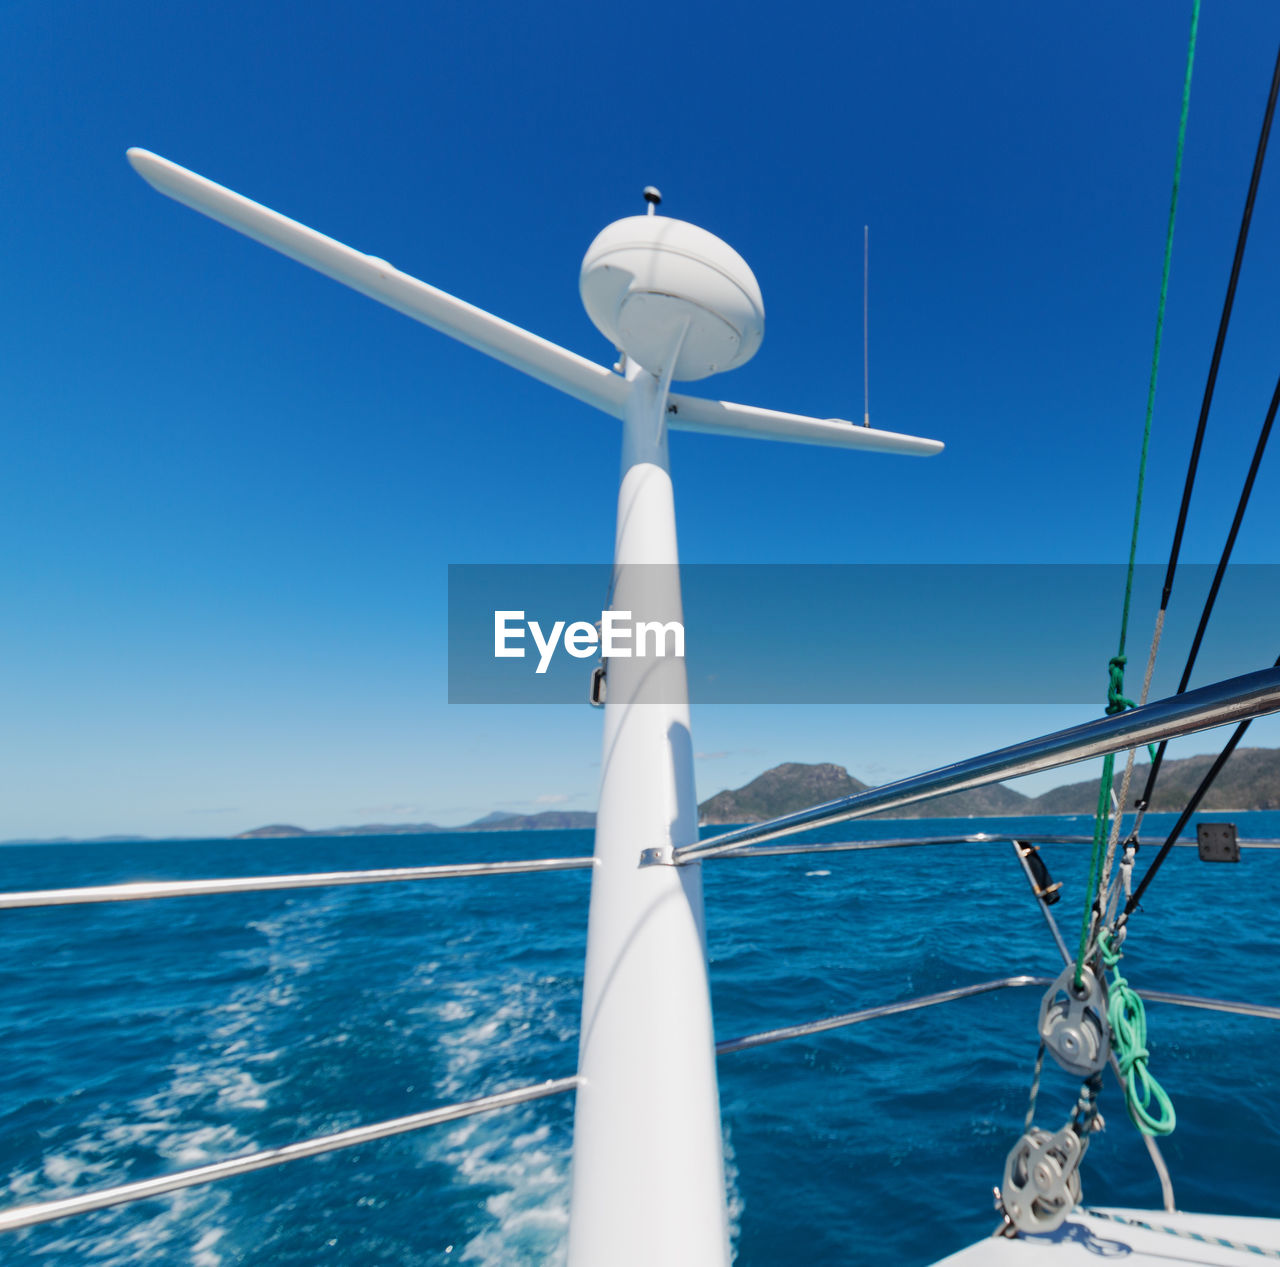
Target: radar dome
pixel 645 276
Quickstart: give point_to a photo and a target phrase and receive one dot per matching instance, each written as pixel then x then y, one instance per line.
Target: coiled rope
pixel 1150 1108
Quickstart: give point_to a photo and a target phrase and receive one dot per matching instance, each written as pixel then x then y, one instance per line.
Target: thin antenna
pixel 866 371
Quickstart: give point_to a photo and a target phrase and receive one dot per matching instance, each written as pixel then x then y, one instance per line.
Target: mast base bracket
pixel 663 856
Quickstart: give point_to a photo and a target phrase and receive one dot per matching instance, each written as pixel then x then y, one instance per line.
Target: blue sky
pixel 231 489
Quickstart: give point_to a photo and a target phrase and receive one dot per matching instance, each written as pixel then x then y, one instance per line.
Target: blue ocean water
pixel 145 1037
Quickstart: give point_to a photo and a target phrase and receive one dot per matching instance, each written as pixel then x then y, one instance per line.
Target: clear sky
pixel 230 489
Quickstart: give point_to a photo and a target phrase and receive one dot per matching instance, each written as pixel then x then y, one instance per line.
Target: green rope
pixel 1155 357
pixel 1117 701
pixel 1095 878
pixel 1127 1018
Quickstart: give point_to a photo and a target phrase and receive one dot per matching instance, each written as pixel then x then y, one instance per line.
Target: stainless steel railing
pixel 45 1211
pixel 767 1036
pixel 82 1203
pixel 910 842
pixel 874 1013
pixel 145 890
pixel 149 890
pixel 1233 700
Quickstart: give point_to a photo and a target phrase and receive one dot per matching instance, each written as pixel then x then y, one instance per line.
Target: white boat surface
pixel 1138 1237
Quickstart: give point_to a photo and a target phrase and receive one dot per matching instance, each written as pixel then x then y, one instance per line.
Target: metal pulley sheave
pixel 1073 1022
pixel 1041 1179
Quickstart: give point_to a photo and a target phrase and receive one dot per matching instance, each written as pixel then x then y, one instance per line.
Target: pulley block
pixel 1041 1179
pixel 1073 1022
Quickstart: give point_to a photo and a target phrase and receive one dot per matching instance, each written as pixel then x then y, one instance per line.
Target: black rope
pixel 1223 322
pixel 1263 436
pixel 1192 805
pixel 1219 572
pixel 1193 465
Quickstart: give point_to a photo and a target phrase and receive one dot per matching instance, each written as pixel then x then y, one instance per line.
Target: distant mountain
pixel 995 801
pixel 791 787
pixel 276 830
pixel 782 790
pixel 1250 780
pixel 279 831
pixel 550 820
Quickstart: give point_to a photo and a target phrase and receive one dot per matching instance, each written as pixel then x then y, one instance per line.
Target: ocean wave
pixel 515 1154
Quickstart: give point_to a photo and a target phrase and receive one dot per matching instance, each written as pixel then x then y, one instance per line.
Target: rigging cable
pixel 1263 436
pixel 1259 449
pixel 1192 805
pixel 1224 321
pixel 1211 598
pixel 1149 1106
pixel 1116 700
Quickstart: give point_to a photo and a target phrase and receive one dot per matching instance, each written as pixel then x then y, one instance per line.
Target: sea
pixel 140 1038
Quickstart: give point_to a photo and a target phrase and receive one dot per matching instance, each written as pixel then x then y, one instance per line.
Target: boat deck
pixel 1086 1237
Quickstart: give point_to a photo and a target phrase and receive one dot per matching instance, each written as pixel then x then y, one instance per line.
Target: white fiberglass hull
pixel 1087 1237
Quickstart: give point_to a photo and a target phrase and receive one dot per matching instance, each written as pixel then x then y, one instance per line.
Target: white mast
pixel 648 1181
pixel 648 1178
